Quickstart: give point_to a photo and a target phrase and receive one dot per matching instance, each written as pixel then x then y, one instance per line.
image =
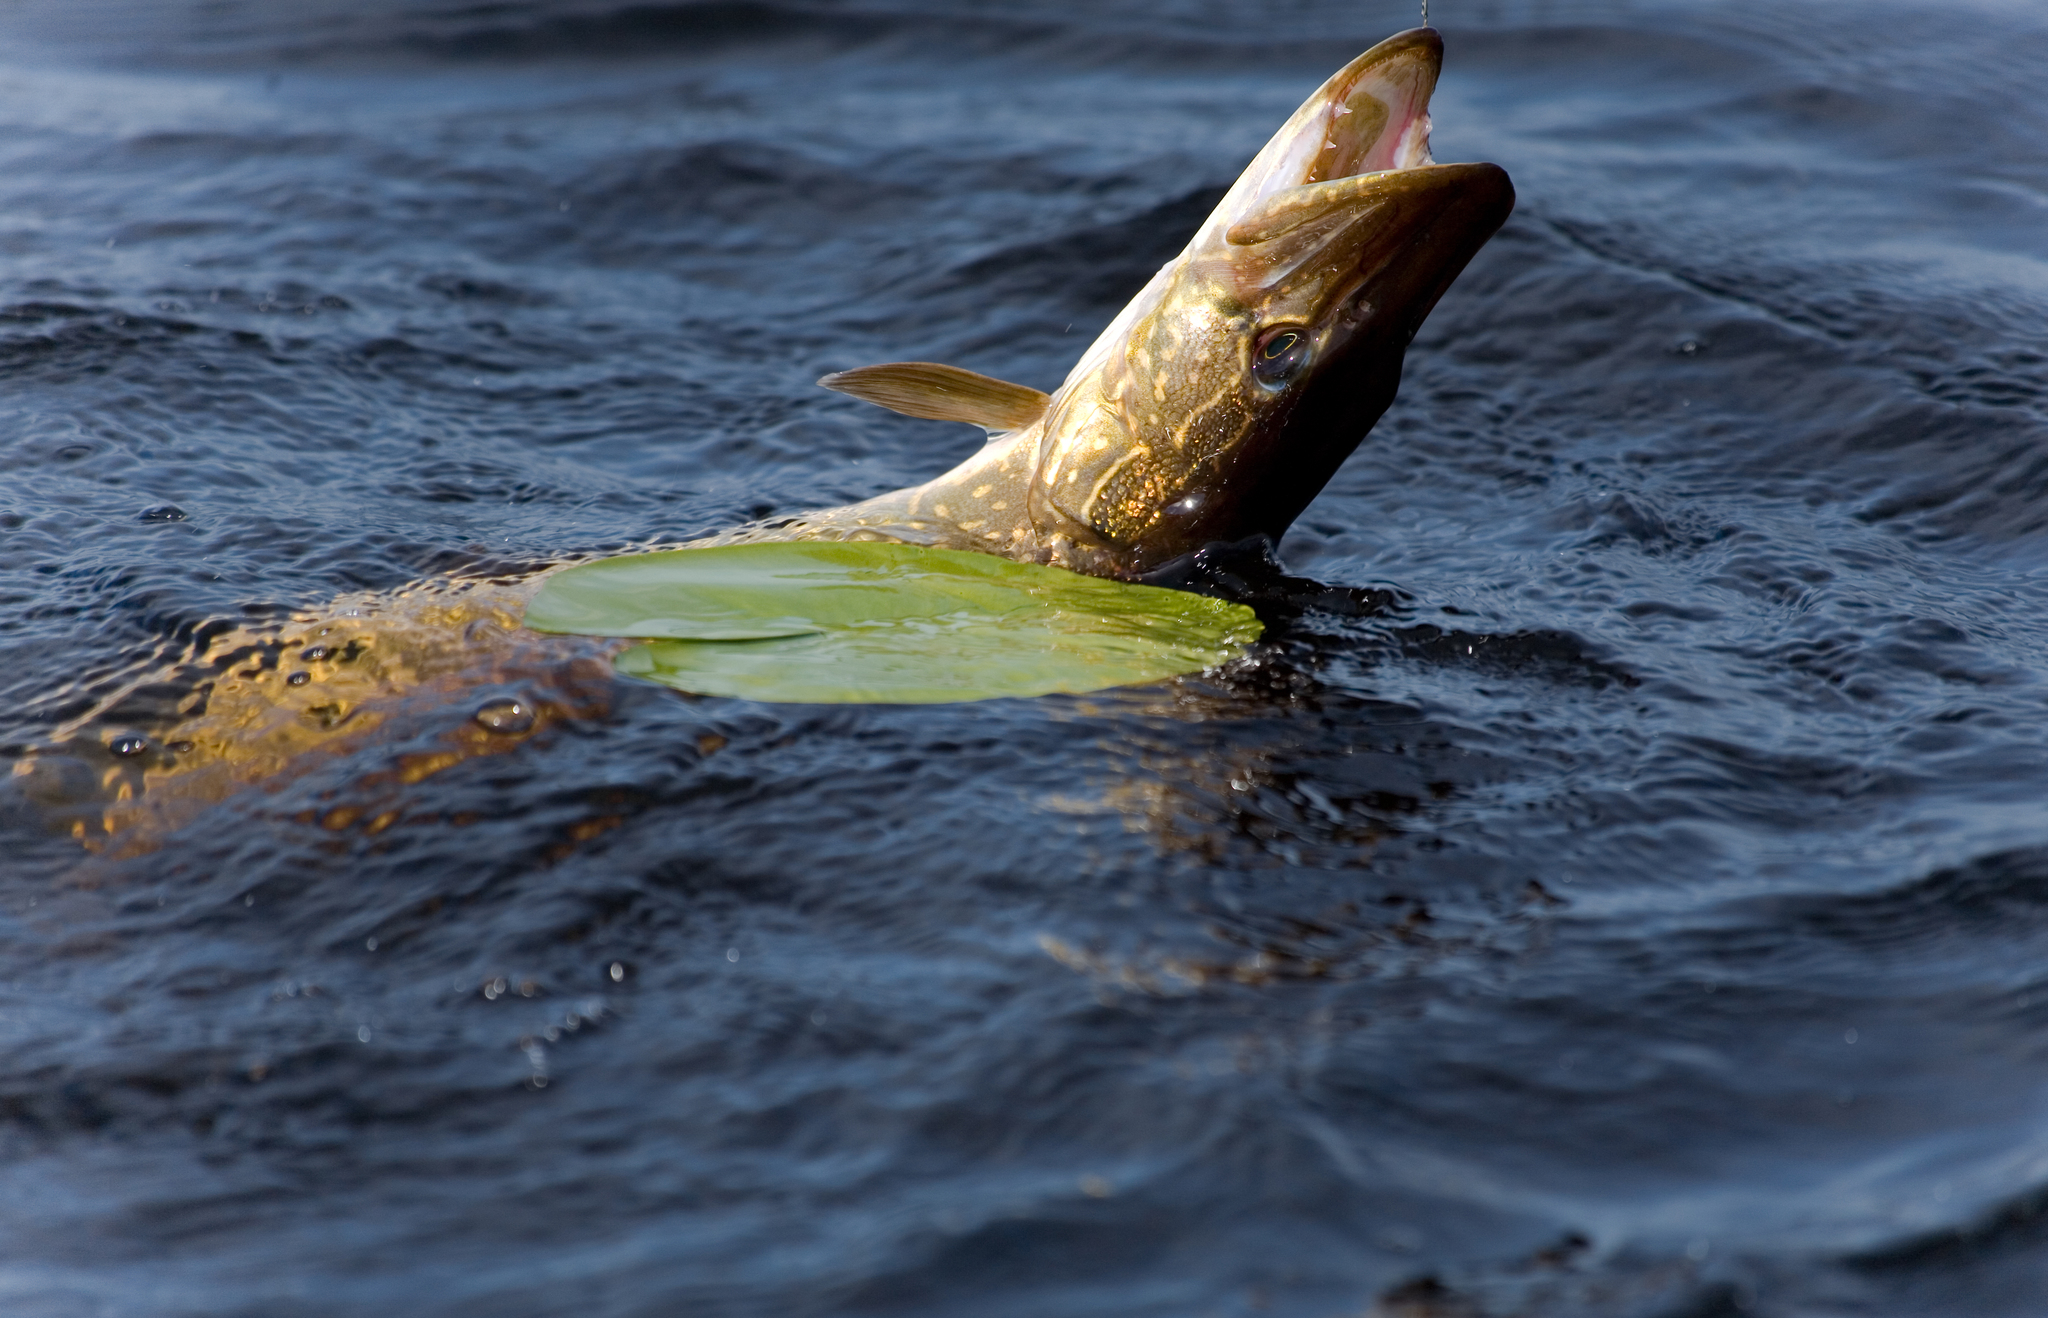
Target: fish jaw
pixel 1371 115
pixel 1172 433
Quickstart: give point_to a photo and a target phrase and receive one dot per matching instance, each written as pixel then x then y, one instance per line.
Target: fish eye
pixel 1279 356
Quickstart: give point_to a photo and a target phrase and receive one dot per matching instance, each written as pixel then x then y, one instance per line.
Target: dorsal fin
pixel 943 393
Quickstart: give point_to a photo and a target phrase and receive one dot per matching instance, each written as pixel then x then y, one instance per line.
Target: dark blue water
pixel 1645 915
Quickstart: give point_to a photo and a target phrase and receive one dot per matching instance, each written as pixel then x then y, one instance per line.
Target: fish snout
pixel 1428 225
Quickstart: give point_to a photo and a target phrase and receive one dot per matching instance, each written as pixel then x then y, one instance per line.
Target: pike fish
pixel 1224 397
pixel 1211 410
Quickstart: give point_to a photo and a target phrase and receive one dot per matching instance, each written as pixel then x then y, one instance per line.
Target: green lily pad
pixel 883 623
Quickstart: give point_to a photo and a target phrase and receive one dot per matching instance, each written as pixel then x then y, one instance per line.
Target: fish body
pixel 1212 409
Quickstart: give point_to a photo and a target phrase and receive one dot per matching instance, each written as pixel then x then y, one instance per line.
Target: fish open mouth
pixel 1374 114
pixel 1370 117
pixel 1346 195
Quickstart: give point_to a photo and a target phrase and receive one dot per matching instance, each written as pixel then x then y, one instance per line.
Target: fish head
pixel 1225 397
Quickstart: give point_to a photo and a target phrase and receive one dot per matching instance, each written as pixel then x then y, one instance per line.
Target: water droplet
pixel 817 1018
pixel 370 943
pixel 618 972
pixel 510 717
pixel 129 745
pixel 363 1033
pixel 299 678
pixel 732 954
pixel 1849 1035
pixel 168 512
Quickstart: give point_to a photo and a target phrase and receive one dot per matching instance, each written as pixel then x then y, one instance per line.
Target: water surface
pixel 1644 913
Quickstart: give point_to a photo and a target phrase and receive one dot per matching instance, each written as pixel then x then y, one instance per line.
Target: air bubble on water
pixel 298 679
pixel 510 717
pixel 130 745
pixel 618 972
pixel 732 954
pixel 370 944
pixel 363 1033
pixel 313 653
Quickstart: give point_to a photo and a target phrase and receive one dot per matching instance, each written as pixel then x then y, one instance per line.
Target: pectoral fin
pixel 943 393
